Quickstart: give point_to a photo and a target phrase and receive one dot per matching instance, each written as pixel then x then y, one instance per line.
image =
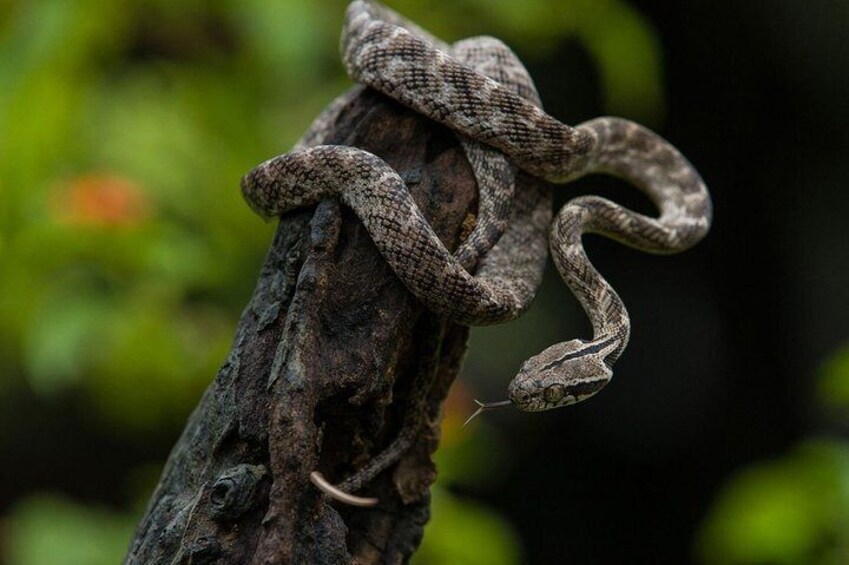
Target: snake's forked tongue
pixel 485 407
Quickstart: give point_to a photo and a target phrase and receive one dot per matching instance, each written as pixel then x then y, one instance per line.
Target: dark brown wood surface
pixel 318 376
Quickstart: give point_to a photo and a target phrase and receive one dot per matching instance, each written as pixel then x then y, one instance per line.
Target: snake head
pixel 563 374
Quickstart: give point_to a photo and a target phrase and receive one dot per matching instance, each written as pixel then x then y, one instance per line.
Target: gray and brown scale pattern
pixel 479 89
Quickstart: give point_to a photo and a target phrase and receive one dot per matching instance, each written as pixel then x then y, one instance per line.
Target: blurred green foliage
pixel 793 510
pixel 463 533
pixel 126 252
pixel 833 391
pixel 47 530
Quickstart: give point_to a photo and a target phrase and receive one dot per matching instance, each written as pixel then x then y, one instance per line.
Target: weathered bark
pixel 322 364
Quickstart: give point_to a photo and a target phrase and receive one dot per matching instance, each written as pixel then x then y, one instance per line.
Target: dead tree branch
pixel 323 361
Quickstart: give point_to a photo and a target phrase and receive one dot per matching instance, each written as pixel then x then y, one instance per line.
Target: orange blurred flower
pixel 100 199
pixel 458 406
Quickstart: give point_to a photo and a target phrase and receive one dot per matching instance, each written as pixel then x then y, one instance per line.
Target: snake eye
pixel 554 393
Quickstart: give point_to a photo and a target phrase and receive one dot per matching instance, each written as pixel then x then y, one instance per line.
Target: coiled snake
pixel 478 88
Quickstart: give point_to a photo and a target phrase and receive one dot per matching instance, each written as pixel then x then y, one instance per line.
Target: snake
pixel 496 113
pixel 507 201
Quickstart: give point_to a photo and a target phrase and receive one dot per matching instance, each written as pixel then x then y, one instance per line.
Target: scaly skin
pixel 480 89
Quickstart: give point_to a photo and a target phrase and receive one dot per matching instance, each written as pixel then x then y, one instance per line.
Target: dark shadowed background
pixel 126 256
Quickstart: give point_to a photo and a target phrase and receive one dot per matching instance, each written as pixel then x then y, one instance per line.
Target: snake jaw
pixel 563 374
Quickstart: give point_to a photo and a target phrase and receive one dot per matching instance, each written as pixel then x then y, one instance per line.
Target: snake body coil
pixel 480 90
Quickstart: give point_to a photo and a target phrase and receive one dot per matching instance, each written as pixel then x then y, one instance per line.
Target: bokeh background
pixel 126 256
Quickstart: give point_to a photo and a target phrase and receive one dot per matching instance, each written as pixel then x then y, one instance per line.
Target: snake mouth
pixel 485 407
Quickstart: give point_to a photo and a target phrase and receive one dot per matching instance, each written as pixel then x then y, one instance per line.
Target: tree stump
pixel 323 361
